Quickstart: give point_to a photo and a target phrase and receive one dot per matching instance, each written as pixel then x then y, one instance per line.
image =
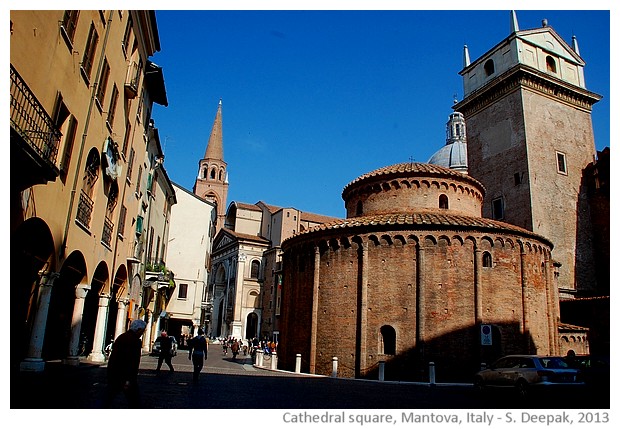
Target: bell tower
pixel 529 138
pixel 212 180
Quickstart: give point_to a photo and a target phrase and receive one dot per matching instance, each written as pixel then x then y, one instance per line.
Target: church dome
pixel 454 154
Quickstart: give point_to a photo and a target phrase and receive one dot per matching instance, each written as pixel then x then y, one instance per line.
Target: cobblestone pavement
pixel 228 384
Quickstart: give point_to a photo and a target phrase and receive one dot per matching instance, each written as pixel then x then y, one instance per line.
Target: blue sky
pixel 313 99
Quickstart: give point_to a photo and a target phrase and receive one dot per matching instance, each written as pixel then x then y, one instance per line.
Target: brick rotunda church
pixel 411 276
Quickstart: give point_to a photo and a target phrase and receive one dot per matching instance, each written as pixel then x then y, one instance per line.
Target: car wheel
pixel 522 389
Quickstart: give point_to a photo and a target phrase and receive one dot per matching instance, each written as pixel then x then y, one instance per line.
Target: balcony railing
pixel 106 235
pixel 84 210
pixel 132 80
pixel 30 120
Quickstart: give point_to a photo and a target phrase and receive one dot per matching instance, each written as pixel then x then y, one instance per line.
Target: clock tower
pixel 529 138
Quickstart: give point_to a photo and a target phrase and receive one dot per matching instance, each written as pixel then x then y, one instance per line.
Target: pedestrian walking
pixel 124 364
pixel 234 348
pixel 198 352
pixel 165 351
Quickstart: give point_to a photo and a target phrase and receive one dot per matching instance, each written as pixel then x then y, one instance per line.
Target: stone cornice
pixel 525 77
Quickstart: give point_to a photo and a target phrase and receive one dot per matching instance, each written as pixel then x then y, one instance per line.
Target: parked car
pixel 527 374
pixel 157 346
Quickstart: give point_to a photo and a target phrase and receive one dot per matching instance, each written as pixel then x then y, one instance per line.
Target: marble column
pixel 81 291
pixel 146 337
pixel 33 361
pixel 97 355
pixel 121 317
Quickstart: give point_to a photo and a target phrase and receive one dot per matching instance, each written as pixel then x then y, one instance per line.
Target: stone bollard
pixel 381 370
pixel 298 363
pixel 274 360
pixel 431 373
pixel 259 358
pixel 334 366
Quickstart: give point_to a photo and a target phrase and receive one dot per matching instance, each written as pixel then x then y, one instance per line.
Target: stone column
pixel 421 308
pixel 81 291
pixel 97 355
pixel 363 310
pixel 477 286
pixel 238 304
pixel 552 306
pixel 33 361
pixel 524 321
pixel 121 317
pixel 315 308
pixel 146 337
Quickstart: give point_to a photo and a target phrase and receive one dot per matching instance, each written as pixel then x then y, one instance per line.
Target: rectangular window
pixel 126 37
pixel 121 220
pixel 103 83
pixel 89 52
pixel 69 23
pixel 138 192
pixel 67 124
pixel 127 136
pixel 132 155
pixel 561 163
pixel 183 291
pixel 112 109
pixel 498 208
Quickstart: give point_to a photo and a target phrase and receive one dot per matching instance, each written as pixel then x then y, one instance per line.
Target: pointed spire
pixel 514 24
pixel 575 45
pixel 466 60
pixel 215 147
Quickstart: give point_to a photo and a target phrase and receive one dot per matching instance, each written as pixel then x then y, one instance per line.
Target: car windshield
pixel 553 363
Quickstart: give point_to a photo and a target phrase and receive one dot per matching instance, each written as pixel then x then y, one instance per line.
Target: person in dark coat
pixel 198 352
pixel 165 351
pixel 123 365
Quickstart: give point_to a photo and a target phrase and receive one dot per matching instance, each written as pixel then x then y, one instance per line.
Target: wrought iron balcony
pixel 84 210
pixel 106 235
pixel 35 131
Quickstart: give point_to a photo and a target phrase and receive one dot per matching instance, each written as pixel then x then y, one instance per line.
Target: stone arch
pixel 252 299
pixel 399 240
pixel 406 184
pixel 425 183
pixel 435 184
pixel 430 240
pixel 62 300
pixel 386 239
pixel 32 255
pixel 458 239
pixel 486 241
pixel 412 239
pixel 251 325
pixel 334 245
pixel 395 184
pixel 386 186
pixel 373 239
pixel 345 243
pixel 99 286
pixel 444 238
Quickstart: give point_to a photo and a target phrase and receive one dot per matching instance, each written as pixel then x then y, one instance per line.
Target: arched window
pixel 489 67
pixel 388 340
pixel 551 67
pixel 204 173
pixel 358 209
pixel 487 261
pixel 86 202
pixel 443 201
pixel 213 174
pixel 255 269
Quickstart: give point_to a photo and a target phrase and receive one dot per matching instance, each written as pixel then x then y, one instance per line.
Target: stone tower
pixel 212 180
pixel 529 138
